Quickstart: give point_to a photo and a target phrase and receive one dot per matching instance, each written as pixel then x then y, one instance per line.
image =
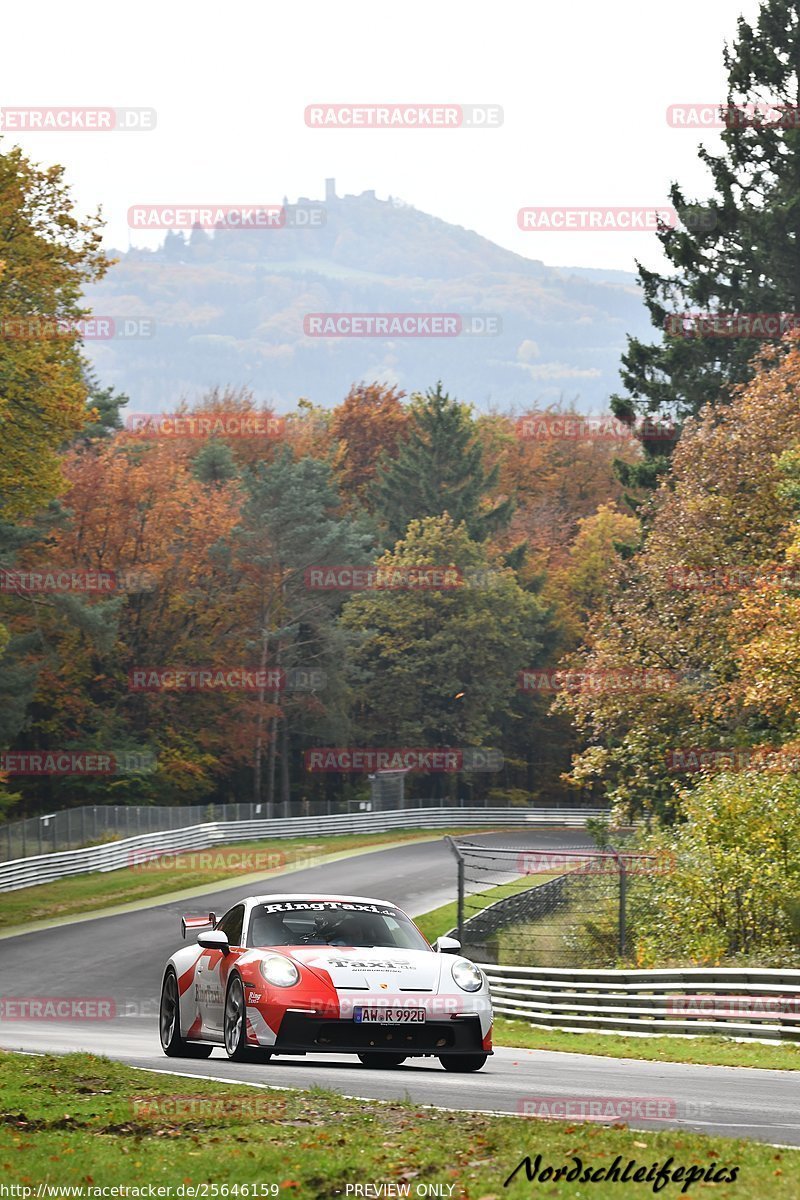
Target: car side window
pixel 231 925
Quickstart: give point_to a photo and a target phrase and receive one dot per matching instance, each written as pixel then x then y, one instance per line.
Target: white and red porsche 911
pixel 300 974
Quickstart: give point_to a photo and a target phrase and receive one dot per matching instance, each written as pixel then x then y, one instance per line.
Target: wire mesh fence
pixel 92 824
pixel 552 908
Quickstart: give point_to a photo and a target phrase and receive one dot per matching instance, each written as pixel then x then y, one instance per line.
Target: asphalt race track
pixel 122 957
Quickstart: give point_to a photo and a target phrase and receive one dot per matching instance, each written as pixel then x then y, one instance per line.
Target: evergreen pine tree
pixel 439 469
pixel 748 259
pixel 105 405
pixel 214 463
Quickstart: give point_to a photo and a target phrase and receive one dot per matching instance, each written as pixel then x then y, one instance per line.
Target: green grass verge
pixel 710 1051
pixel 556 940
pixel 87 893
pixel 79 1120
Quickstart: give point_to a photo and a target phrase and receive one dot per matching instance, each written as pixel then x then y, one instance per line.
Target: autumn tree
pixel 559 468
pixel 367 426
pixel 251 432
pixel 765 626
pixel 47 256
pixel 173 604
pixel 307 430
pixel 718 529
pixel 587 579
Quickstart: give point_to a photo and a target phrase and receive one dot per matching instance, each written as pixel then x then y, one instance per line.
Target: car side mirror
pixel 447 945
pixel 215 939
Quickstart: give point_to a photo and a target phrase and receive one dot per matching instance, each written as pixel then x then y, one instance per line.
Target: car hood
pixel 380 969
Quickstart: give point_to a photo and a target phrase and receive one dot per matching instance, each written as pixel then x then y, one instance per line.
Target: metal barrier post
pixel 460 901
pixel 623 903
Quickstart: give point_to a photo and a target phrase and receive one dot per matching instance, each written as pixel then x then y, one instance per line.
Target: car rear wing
pixel 192 923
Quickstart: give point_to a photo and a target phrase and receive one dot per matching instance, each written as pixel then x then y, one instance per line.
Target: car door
pixel 213 969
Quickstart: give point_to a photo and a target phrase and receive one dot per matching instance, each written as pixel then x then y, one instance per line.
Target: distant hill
pixel 229 307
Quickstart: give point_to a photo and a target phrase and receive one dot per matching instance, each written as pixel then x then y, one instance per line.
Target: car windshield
pixel 332 923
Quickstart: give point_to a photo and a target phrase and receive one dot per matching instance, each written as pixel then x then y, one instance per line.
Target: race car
pixel 304 974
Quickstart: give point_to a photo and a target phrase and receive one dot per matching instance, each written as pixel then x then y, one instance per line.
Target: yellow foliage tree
pixel 47 254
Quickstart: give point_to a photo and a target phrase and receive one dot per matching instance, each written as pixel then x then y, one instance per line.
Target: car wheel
pixel 463 1062
pixel 382 1060
pixel 169 1023
pixel 234 1024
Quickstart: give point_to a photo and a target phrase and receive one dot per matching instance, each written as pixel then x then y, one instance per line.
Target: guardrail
pixel 112 856
pixel 522 906
pixel 761 1003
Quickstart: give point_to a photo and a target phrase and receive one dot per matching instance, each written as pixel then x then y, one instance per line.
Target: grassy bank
pixel 711 1051
pixel 79 1120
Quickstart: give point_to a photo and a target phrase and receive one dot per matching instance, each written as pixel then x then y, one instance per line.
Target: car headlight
pixel 467 976
pixel 279 971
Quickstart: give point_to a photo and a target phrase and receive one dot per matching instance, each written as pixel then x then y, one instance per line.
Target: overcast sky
pixel 584 89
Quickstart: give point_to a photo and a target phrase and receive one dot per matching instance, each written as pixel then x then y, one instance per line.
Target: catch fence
pixel 562 907
pixel 93 824
pixel 115 855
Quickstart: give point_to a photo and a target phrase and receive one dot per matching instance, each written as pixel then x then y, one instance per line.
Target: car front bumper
pixel 304 1033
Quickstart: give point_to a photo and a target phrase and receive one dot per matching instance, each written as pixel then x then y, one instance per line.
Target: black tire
pixel 169 1024
pixel 463 1062
pixel 234 1026
pixel 376 1059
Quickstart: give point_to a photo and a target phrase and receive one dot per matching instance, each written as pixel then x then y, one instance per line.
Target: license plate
pixel 376 1015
